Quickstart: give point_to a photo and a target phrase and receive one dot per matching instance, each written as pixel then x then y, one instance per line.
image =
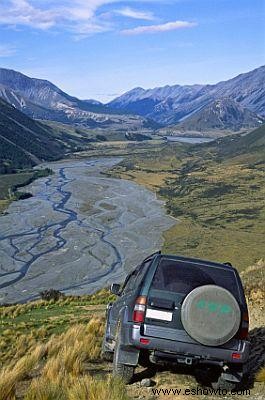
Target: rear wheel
pixel 107 355
pixel 206 375
pixel 123 371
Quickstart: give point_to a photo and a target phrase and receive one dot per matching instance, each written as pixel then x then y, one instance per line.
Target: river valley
pixel 79 232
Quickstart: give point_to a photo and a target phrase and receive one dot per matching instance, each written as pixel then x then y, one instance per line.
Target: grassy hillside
pixel 215 191
pixel 79 136
pixel 24 142
pixel 51 350
pixel 251 145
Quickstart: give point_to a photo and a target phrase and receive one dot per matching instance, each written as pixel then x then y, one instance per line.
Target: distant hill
pixel 253 140
pixel 222 114
pixel 41 99
pixel 250 145
pixel 23 141
pixel 171 104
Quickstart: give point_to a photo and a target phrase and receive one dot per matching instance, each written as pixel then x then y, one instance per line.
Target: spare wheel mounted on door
pixel 210 315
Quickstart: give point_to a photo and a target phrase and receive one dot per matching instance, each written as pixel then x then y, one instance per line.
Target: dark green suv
pixel 172 309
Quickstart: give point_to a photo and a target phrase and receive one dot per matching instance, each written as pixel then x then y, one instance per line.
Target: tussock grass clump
pixel 84 340
pixel 260 377
pixel 254 280
pixel 61 363
pixel 89 388
pixel 18 309
pixel 22 326
pixel 70 388
pixel 11 375
pixel 44 389
pixel 67 360
pixel 69 352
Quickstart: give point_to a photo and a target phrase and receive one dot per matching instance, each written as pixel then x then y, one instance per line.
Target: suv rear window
pixel 183 277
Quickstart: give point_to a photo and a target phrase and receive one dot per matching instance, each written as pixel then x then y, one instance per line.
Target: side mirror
pixel 115 289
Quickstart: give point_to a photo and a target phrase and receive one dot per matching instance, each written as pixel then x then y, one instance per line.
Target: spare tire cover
pixel 211 315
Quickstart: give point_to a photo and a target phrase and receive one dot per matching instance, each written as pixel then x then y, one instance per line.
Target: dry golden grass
pixel 68 352
pixel 11 375
pixel 3 205
pixel 62 377
pixel 23 326
pixel 260 377
pixel 92 389
pixel 72 388
pixel 61 358
pixel 151 180
pixel 44 389
pixel 86 339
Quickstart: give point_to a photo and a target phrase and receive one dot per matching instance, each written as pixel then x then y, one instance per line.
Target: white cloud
pixel 75 15
pixel 22 12
pixel 7 50
pixel 80 17
pixel 136 14
pixel 169 26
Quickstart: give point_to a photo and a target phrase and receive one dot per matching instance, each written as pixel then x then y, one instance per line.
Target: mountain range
pixel 41 99
pixel 173 104
pixel 212 110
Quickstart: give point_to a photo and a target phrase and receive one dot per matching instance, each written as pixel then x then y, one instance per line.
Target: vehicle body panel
pixel 162 332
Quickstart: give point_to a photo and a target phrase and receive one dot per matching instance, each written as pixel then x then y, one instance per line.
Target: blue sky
pixel 102 48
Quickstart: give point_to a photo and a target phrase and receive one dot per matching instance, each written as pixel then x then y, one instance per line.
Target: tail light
pixel 236 356
pixel 243 333
pixel 144 341
pixel 139 309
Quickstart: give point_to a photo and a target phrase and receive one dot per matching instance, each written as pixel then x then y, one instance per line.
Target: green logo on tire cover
pixel 213 307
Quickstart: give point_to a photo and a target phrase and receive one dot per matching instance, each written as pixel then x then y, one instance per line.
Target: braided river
pixel 81 231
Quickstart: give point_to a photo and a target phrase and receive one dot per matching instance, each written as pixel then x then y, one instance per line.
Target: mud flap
pixel 232 376
pixel 128 355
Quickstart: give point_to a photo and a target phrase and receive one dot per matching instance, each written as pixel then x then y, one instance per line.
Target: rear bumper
pixel 132 333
